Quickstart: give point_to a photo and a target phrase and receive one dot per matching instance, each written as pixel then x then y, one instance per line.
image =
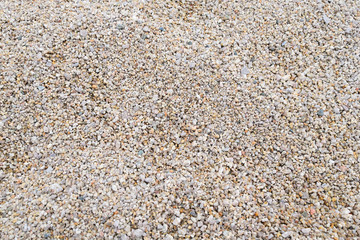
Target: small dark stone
pixel 272 48
pixel 81 198
pixel 189 43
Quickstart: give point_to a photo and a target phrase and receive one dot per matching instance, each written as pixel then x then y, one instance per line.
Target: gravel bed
pixel 179 119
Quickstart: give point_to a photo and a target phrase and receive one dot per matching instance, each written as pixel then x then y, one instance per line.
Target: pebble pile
pixel 179 119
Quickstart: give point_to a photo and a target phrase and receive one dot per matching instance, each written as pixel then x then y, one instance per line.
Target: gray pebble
pixel 320 113
pixel 326 19
pixel 67 76
pixel 120 27
pixel 168 237
pixel 81 198
pixel 193 213
pixel 286 234
pixel 245 71
pixel 177 221
pixel 56 188
pixel 138 233
pixel 83 33
pixel 124 237
pixel 306 231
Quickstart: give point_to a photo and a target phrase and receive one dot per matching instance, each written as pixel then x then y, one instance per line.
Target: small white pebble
pixel 286 234
pixel 306 231
pixel 138 233
pixel 244 71
pixel 67 76
pixel 83 33
pixel 326 19
pixel 56 188
pixel 168 237
pixel 177 221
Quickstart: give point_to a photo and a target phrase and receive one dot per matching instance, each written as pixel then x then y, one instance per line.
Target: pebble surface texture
pixel 179 119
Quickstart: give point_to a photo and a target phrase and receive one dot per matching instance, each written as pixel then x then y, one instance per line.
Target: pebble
pixel 120 27
pixel 326 19
pixel 193 213
pixel 81 198
pixel 49 170
pixel 305 195
pixel 286 234
pixel 83 33
pixel 56 188
pixel 138 233
pixel 67 76
pixel 124 237
pixel 149 180
pixel 168 237
pixel 177 221
pixel 245 71
pixel 345 212
pixel 320 113
pixel 306 231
